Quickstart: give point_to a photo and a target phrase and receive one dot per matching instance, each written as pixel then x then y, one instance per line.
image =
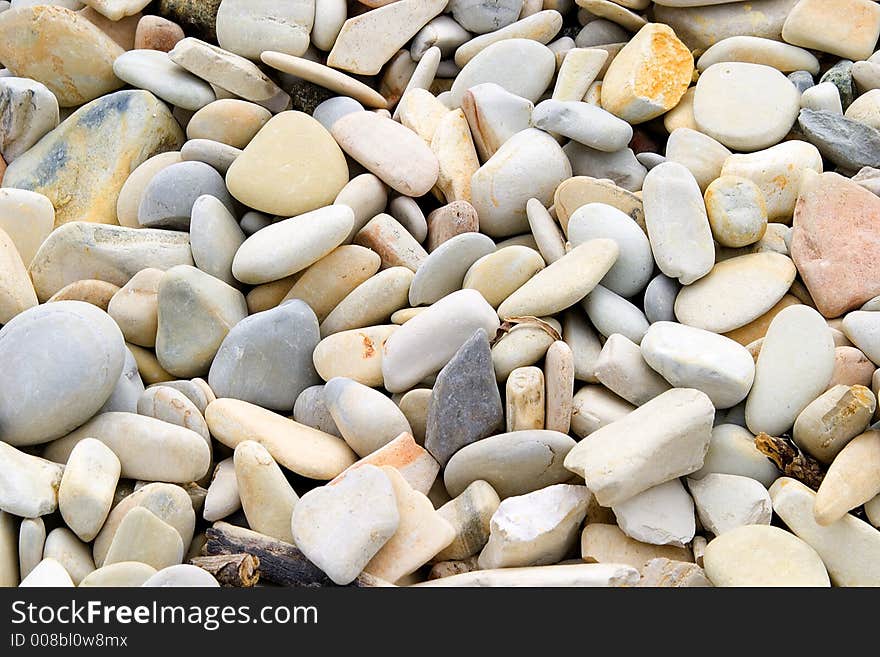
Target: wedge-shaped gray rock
pixel 61 361
pixel 196 311
pixel 513 463
pixel 341 527
pixel 168 199
pixel 28 484
pixel 848 143
pixel 266 359
pixel 465 404
pixel 664 439
pixel 82 250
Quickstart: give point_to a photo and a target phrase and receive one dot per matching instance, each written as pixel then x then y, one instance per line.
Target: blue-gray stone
pixel 266 359
pixel 169 197
pixel 621 166
pixel 128 390
pixel 660 299
pixel 850 144
pixel 802 80
pixel 840 75
pixel 465 404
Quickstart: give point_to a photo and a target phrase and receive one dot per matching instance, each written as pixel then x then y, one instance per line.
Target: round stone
pixel 168 199
pixel 229 120
pixel 745 106
pixel 737 211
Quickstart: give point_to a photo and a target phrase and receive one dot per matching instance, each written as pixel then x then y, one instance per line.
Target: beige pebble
pixel 414 405
pixel 222 498
pixel 578 191
pixel 559 375
pixel 450 220
pixel 133 188
pixel 97 293
pixel 413 461
pixel 143 537
pixel 498 275
pixel 851 367
pixel 604 543
pixel 737 211
pixel 469 514
pixel 266 497
pixel 16 290
pixel 27 217
pixel 8 558
pixel 30 483
pixel 525 399
pixel 394 244
pixel 593 407
pixel 76 557
pixel 524 344
pixel 228 121
pixel 355 354
pixel 121 574
pixel 372 302
pixel 87 487
pixel 31 541
pixel 367 196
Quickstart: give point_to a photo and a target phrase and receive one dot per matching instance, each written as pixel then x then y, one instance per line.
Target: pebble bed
pixel 439 293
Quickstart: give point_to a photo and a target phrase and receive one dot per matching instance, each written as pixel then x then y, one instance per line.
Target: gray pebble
pixel 333 109
pixel 266 359
pixel 481 16
pixel 311 410
pixel 599 33
pixel 849 144
pixel 650 160
pixel 215 237
pixel 169 197
pixel 214 153
pixel 253 221
pixel 802 80
pixel 621 166
pixel 660 299
pixel 128 389
pixel 840 75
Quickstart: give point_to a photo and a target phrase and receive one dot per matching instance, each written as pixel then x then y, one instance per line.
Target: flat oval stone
pixel 56 343
pixel 372 302
pixel 493 65
pixel 528 165
pixel 196 311
pixel 482 17
pixel 563 283
pixel 177 454
pixel 843 27
pixel 541 26
pixel 737 211
pixel 28 218
pixel 266 497
pixel 737 291
pixel 333 109
pixel 103 141
pixel 29 36
pixel 247 28
pixel 135 307
pixel 222 499
pixel 443 271
pixel 366 418
pixel 154 71
pixel 132 190
pixel 631 272
pixel 730 94
pixel 97 293
pixel 512 463
pixel 30 483
pixel 289 246
pixel 793 369
pixel 863 328
pixel 215 237
pixel 689 357
pixel 580 190
pixel 172 406
pixel 297 447
pixel 266 359
pixel 427 342
pixel 610 313
pixel 87 487
pixel 355 354
pixel 16 290
pixel 168 199
pixel 677 224
pixel 273 174
pixel 228 120
pixel 758 50
pixel 390 150
pixel 761 555
pixel 584 123
pixel 732 451
pixel 142 536
pixel 29 110
pixel 218 155
pixel 499 274
pixel 660 298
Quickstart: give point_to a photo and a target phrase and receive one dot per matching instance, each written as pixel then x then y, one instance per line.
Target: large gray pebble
pixel 169 197
pixel 61 361
pixel 266 359
pixel 849 144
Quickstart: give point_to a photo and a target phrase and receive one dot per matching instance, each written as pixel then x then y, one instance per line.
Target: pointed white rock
pixel 725 502
pixel 662 515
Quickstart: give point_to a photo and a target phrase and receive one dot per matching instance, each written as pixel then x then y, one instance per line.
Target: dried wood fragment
pixel 235 570
pixel 791 460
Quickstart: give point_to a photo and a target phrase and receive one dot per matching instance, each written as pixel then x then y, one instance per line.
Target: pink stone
pixel 836 242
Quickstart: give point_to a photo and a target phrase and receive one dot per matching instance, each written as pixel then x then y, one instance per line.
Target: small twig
pixel 792 461
pixel 237 570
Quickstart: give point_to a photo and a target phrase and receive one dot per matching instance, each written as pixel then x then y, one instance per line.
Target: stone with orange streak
pixel 354 354
pixel 836 242
pixel 649 76
pixel 413 462
pixel 581 190
pixel 102 143
pixel 157 33
pixel 29 39
pixel 444 223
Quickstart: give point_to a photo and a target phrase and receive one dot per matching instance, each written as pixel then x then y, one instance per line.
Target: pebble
pixel 332 109
pixel 27 218
pixel 732 451
pixel 499 274
pixel 122 574
pixel 366 42
pixel 737 211
pixel 535 529
pixel 325 284
pixel 194 304
pixel 362 507
pixel 761 555
pixel 103 140
pixel 135 307
pixel 512 463
pixel 850 28
pixel 443 271
pixel 583 123
pixel 366 418
pixel 416 350
pixel 758 50
pixel 865 109
pixel 659 300
pixel 154 71
pixel 222 499
pixel 291 245
pixel 794 368
pixel 610 313
pixel 662 515
pixel 547 234
pixel 677 224
pixel 182 575
pixel 724 301
pixel 725 502
pixel 831 420
pixel 823 96
pixel 411 460
pixel 822 242
pixel 371 302
pixel 168 199
pixel 379 144
pixel 851 367
pixel 863 328
pixel 49 573
pixel 690 357
pixel 266 358
pixel 482 17
pixel 491 65
pixel 229 121
pixel 648 76
pixel 74 555
pixel 31 541
pixel 248 28
pixel 667 573
pixel 465 404
pixel 142 536
pixel 470 514
pixel 851 480
pixel 726 95
pixel 397 247
pixel 87 486
pixel 848 547
pixel 578 71
pixel 494 115
pixel 452 219
pixel 29 35
pixel 30 483
pixel 442 32
pixel 297 447
pixel 97 293
pixel 622 369
pixel 849 144
pixel 563 283
pixel 567 575
pixel 617 462
pixel 157 33
pixel 699 153
pixel 266 497
pixel 214 237
pixel 16 290
pixel 622 167
pixel 593 407
pixel 607 544
pixel 524 344
pixel 271 174
pixel 524 399
pixel 172 406
pixel 30 111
